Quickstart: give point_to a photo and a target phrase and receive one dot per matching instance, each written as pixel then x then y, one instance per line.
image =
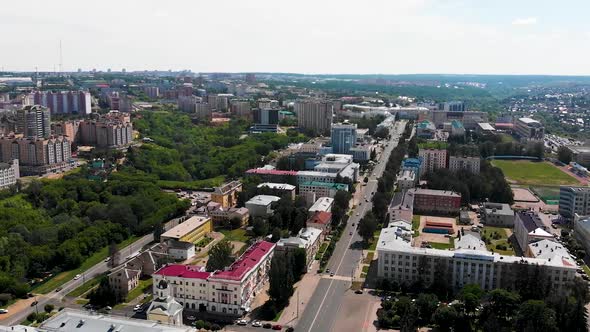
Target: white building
pixel 315 176
pixel 9 173
pixel 406 180
pixel 229 292
pixel 471 164
pixel 322 204
pixel 401 262
pixel 260 206
pixel 322 189
pixel 574 200
pixel 308 238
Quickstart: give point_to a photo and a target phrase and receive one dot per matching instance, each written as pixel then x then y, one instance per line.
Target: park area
pixel 526 172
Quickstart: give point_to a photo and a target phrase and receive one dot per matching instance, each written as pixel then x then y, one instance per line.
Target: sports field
pixel 528 172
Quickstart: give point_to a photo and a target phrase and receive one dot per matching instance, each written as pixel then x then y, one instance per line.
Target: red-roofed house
pixel 321 220
pixel 226 292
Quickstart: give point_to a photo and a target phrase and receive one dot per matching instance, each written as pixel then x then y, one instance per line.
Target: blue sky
pixel 306 36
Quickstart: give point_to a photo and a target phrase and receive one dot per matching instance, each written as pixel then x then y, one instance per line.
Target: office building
pixel 582 231
pixel 9 173
pixel 429 201
pixel 452 106
pixel 457 128
pixel 432 158
pixel 581 154
pixel 425 129
pixel 484 128
pixel 221 216
pixel 64 102
pixel 412 164
pixel 274 175
pixel 314 115
pixel 406 180
pixel 261 205
pixel 529 129
pixel 400 262
pixel 574 200
pixel 469 119
pixel 470 164
pixel 36 156
pixel 529 228
pixel 33 121
pixel 228 292
pixel 266 117
pixel 497 215
pixel 322 189
pixel 343 137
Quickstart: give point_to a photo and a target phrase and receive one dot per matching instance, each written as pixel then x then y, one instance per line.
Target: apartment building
pixel 497 215
pixel 470 164
pixel 36 156
pixel 401 262
pixel 70 129
pixel 34 121
pixel 574 200
pixel 64 102
pixel 406 180
pixel 228 292
pixel 241 108
pixel 279 189
pixel 322 189
pixel 529 129
pixel 308 239
pixel 432 159
pixel 9 173
pixel 261 205
pixel 315 115
pixel 104 133
pixel 529 228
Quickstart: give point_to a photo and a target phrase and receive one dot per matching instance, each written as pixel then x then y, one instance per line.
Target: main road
pixel 321 311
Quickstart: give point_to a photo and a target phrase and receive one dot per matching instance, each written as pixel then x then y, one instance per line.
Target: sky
pixel 299 36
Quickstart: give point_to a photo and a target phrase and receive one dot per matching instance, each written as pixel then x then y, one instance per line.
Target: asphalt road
pixel 321 312
pixel 98 269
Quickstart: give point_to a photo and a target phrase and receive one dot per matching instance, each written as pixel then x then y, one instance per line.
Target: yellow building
pixel 227 194
pixel 192 230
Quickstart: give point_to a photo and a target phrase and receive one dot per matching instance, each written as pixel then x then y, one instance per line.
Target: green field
pixel 528 172
pixel 238 234
pixel 502 239
pixel 87 286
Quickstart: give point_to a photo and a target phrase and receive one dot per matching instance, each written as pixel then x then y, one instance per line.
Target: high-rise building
pixel 529 129
pixel 471 164
pixel 70 129
pixel 151 91
pixel 64 102
pixel 36 155
pixel 432 159
pixel 343 138
pixel 241 108
pixel 574 200
pixel 266 116
pixel 315 115
pixel 106 134
pixel 33 121
pixel 9 173
pixel 452 106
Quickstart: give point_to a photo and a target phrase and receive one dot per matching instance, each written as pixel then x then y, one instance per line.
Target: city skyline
pixel 401 37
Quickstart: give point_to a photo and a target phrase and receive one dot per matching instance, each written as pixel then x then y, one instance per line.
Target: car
pixel 352 224
pixel 267 325
pixel 108 308
pixel 358 214
pixel 331 274
pixel 242 322
pixel 34 303
pixel 58 289
pixel 256 323
pixel 328 270
pixel 3 311
pixel 107 259
pixel 77 276
pixel 366 200
pixel 137 307
pixel 277 327
pixel 358 291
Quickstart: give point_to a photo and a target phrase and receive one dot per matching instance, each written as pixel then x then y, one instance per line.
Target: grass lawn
pixel 528 172
pixel 442 246
pixel 277 316
pixel 66 276
pixel 416 225
pixel 506 138
pixel 82 301
pixel 365 269
pixel 503 240
pixel 235 235
pixel 373 245
pixel 369 258
pixel 88 285
pixel 321 251
pixel 144 285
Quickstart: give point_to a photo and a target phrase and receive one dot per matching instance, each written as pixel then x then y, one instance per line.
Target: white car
pixel 3 311
pixel 256 323
pixel 78 276
pixel 242 322
pixel 137 307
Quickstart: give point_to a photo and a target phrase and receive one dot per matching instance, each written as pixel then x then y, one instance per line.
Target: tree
pixel 427 304
pixel 367 227
pixel 48 308
pixel 104 295
pixel 408 314
pixel 299 262
pixel 114 254
pixel 373 154
pixel 281 279
pixel 534 315
pixel 220 256
pixel 260 226
pixel 158 231
pixel 445 317
pixel 235 222
pixel 564 155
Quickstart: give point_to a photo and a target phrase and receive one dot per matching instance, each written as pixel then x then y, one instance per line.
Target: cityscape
pixel 301 195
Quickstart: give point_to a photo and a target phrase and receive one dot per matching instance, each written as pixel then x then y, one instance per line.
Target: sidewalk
pixel 304 289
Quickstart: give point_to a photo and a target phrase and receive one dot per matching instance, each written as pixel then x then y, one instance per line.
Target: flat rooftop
pixel 186 227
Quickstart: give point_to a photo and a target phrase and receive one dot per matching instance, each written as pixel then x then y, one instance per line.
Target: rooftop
pixel 434 192
pixel 486 126
pixel 264 171
pixel 186 227
pixel 436 145
pixel 249 259
pixel 530 220
pixel 183 271
pixel 550 250
pixel 498 209
pixel 322 204
pixel 337 186
pixel 528 121
pixel 320 217
pixel 277 186
pixel 470 241
pixel 263 200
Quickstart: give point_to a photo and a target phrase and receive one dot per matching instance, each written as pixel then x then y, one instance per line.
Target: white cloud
pixel 525 21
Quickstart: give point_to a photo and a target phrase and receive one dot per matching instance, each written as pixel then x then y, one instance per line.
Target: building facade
pixel 322 189
pixel 470 164
pixel 343 137
pixel 432 159
pixel 64 102
pixel 435 201
pixel 9 173
pixel 574 200
pixel 497 215
pixel 314 115
pixel 227 194
pixel 36 156
pixel 34 121
pixel 529 129
pixel 261 205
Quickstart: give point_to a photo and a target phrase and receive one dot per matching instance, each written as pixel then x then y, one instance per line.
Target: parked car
pixel 77 276
pixel 137 307
pixel 267 325
pixel 256 323
pixel 3 311
pixel 332 274
pixel 108 308
pixel 58 289
pixel 34 303
pixel 277 327
pixel 242 322
pixel 358 291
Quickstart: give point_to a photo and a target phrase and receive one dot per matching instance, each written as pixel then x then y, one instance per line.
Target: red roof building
pixel 321 220
pixel 183 271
